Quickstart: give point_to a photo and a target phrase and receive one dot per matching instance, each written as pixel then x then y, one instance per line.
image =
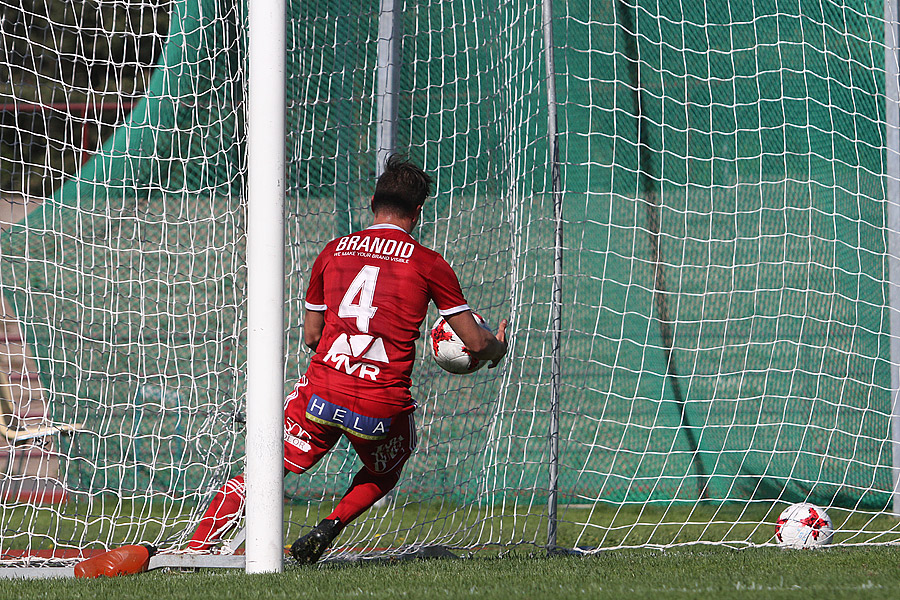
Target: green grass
pixel 698 572
pixel 465 528
pixel 523 570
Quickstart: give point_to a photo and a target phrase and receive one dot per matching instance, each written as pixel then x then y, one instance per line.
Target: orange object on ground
pixel 126 560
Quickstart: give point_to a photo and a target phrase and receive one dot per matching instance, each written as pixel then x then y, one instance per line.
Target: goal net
pixel 122 271
pixel 725 311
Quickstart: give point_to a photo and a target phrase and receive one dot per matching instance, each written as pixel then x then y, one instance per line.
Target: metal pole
pixel 344 114
pixel 265 286
pixel 390 34
pixel 892 207
pixel 556 291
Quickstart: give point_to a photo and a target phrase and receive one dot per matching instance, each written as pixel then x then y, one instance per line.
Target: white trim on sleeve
pixel 452 311
pixel 316 307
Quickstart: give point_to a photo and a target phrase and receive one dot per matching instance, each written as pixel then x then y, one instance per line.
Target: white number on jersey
pixel 363 286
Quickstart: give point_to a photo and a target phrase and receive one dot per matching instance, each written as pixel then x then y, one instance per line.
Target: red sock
pixel 366 489
pixel 224 511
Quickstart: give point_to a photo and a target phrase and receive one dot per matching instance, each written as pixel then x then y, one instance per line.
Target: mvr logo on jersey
pixel 327 413
pixel 345 350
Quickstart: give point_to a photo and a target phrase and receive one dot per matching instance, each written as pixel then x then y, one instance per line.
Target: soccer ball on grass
pixel 803 525
pixel 448 349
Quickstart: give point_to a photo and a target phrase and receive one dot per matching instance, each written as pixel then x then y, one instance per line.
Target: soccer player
pixel 367 297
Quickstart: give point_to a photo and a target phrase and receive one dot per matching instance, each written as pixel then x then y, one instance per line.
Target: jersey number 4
pixel 357 302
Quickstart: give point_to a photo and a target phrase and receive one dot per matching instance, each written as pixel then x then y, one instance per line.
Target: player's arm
pixel 313 325
pixel 314 321
pixel 483 344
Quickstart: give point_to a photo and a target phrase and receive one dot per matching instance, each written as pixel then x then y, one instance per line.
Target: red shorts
pixel 383 436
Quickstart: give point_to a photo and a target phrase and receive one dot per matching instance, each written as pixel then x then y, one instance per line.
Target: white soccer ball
pixel 448 350
pixel 803 525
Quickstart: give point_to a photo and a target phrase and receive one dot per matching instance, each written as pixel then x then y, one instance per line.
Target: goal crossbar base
pixel 420 553
pixel 197 561
pixel 222 561
pixel 560 551
pixel 162 561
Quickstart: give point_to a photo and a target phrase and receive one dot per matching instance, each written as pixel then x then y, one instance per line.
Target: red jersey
pixel 374 287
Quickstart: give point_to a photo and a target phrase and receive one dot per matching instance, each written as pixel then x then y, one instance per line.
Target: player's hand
pixel 501 337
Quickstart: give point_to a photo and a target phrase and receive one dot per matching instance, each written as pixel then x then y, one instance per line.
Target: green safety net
pixel 724 316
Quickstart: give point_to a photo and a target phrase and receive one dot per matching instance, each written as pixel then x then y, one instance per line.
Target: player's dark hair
pixel 402 188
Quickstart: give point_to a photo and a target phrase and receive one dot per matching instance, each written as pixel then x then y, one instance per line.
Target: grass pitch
pixel 700 570
pixel 696 572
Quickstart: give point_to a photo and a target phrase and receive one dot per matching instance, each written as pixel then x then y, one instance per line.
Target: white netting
pixel 726 299
pixel 122 270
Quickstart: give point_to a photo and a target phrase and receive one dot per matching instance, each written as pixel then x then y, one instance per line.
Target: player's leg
pixel 383 461
pixel 305 443
pixel 223 513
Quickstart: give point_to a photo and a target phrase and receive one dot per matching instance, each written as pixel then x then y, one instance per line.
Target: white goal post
pixel 687 210
pixel 265 286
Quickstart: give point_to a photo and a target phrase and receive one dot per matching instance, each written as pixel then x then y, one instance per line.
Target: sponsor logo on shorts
pixel 295 393
pixel 294 434
pixel 323 411
pixel 386 452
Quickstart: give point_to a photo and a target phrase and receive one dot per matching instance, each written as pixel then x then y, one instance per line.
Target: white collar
pixel 388 226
